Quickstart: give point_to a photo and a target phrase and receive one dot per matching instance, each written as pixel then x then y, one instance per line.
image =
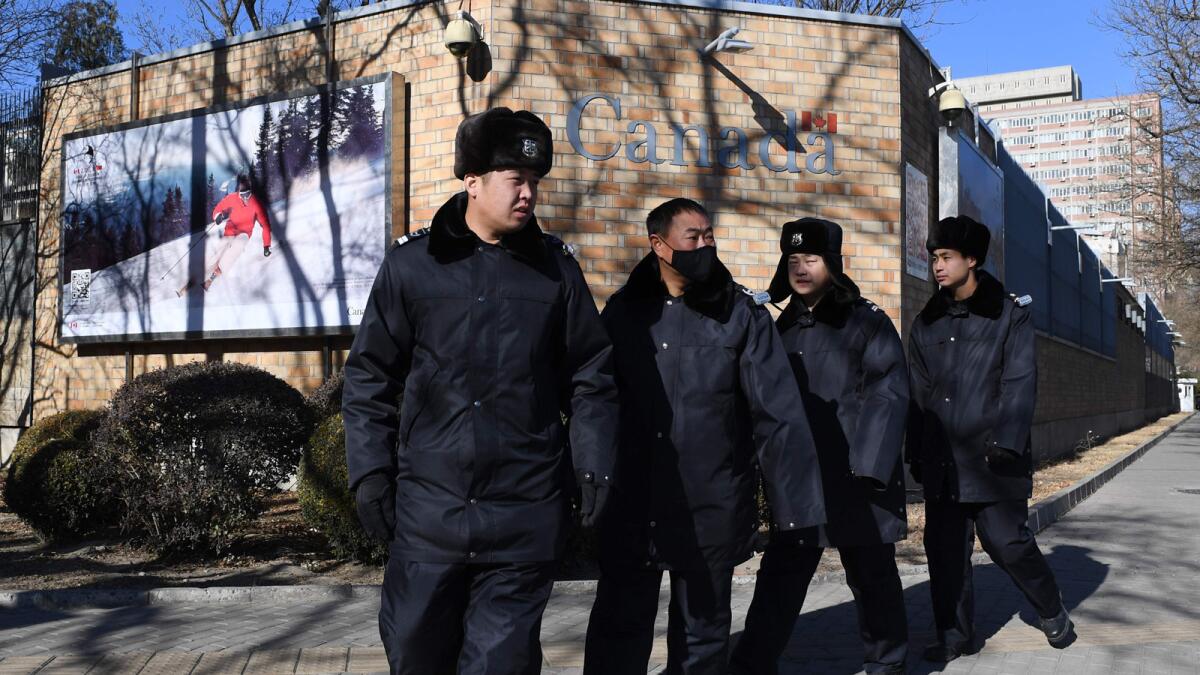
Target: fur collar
pixel 828 311
pixel 987 301
pixel 713 298
pixel 450 238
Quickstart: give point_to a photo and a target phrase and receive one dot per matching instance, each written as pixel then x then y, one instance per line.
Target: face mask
pixel 696 265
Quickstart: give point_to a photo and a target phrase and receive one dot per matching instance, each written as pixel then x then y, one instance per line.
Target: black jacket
pixel 490 346
pixel 849 363
pixel 706 398
pixel 974 386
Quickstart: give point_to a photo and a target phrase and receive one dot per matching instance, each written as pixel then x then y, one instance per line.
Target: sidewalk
pixel 1128 560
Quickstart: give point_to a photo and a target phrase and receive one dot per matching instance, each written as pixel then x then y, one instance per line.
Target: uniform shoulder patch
pixel 870 305
pixel 758 297
pixel 1022 301
pixel 415 234
pixel 555 242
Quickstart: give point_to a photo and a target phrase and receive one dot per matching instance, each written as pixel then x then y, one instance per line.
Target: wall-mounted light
pixel 726 43
pixel 1116 280
pixel 951 102
pixel 461 34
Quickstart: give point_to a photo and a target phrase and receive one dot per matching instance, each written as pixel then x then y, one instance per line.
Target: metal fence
pixel 1057 268
pixel 20 155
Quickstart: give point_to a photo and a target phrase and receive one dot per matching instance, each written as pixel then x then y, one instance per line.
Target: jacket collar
pixel 449 236
pixel 987 301
pixel 828 311
pixel 713 299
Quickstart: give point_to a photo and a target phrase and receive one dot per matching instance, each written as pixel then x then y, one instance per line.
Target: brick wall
pixel 543 55
pixel 407 41
pixel 551 53
pixel 919 126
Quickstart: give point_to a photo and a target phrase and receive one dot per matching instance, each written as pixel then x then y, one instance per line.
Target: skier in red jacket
pixel 238 211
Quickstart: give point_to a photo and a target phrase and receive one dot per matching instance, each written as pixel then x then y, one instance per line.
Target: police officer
pixel 849 362
pixel 707 400
pixel 485 325
pixel 974 383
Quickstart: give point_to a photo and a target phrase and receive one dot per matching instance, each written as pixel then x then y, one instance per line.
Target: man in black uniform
pixel 849 363
pixel 707 401
pixel 974 385
pixel 486 327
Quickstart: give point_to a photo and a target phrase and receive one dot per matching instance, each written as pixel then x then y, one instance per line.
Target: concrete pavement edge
pixel 1041 515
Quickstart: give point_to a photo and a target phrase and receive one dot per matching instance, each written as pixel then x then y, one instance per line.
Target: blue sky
pixel 982 37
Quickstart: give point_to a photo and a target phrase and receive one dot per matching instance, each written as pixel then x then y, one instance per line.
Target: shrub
pixel 199 446
pixel 57 482
pixel 326 400
pixel 326 502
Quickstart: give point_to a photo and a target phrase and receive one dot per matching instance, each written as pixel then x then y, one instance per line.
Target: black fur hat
pixel 502 139
pixel 962 234
pixel 816 237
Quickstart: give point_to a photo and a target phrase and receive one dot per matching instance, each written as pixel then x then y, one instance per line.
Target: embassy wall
pixel 808 123
pixel 827 116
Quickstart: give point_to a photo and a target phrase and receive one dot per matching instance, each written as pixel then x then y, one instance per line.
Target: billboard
pixel 264 219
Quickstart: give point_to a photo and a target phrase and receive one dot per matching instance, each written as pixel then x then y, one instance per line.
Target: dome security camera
pixel 461 35
pixel 951 104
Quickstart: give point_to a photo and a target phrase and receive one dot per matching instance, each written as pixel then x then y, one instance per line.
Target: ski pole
pixel 217 221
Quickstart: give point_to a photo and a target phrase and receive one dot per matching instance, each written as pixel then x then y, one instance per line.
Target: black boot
pixel 1059 630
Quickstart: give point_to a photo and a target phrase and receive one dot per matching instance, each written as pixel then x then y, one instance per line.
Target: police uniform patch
pixel 1022 301
pixel 415 234
pixel 567 249
pixel 759 297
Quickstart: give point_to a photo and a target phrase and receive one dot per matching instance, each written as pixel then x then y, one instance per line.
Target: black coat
pixel 974 386
pixel 490 345
pixel 849 363
pixel 707 398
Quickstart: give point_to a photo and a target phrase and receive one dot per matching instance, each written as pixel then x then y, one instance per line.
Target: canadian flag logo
pixel 811 121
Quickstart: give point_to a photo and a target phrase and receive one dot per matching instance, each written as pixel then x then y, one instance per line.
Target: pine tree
pixel 364 130
pixel 212 196
pixel 262 150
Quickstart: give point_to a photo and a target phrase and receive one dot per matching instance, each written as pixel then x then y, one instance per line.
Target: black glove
pixel 375 498
pixel 1001 458
pixel 266 251
pixel 221 217
pixel 593 497
pixel 914 470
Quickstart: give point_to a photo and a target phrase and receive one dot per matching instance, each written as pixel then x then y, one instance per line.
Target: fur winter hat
pixel 502 139
pixel 962 234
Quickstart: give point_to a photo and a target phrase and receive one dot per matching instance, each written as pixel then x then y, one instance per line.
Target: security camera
pixel 461 35
pixel 951 102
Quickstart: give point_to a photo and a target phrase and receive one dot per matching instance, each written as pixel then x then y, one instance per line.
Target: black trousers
pixel 442 618
pixel 621 628
pixel 949 540
pixel 784 574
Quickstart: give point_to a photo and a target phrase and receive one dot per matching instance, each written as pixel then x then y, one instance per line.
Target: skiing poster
pixel 268 219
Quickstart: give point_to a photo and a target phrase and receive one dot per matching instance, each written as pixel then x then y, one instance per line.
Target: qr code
pixel 81 285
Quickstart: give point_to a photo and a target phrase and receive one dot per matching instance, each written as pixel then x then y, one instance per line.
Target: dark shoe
pixel 1059 630
pixel 940 653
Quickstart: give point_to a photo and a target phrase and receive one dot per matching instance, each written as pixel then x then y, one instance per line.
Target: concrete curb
pixel 1051 509
pixel 1041 515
